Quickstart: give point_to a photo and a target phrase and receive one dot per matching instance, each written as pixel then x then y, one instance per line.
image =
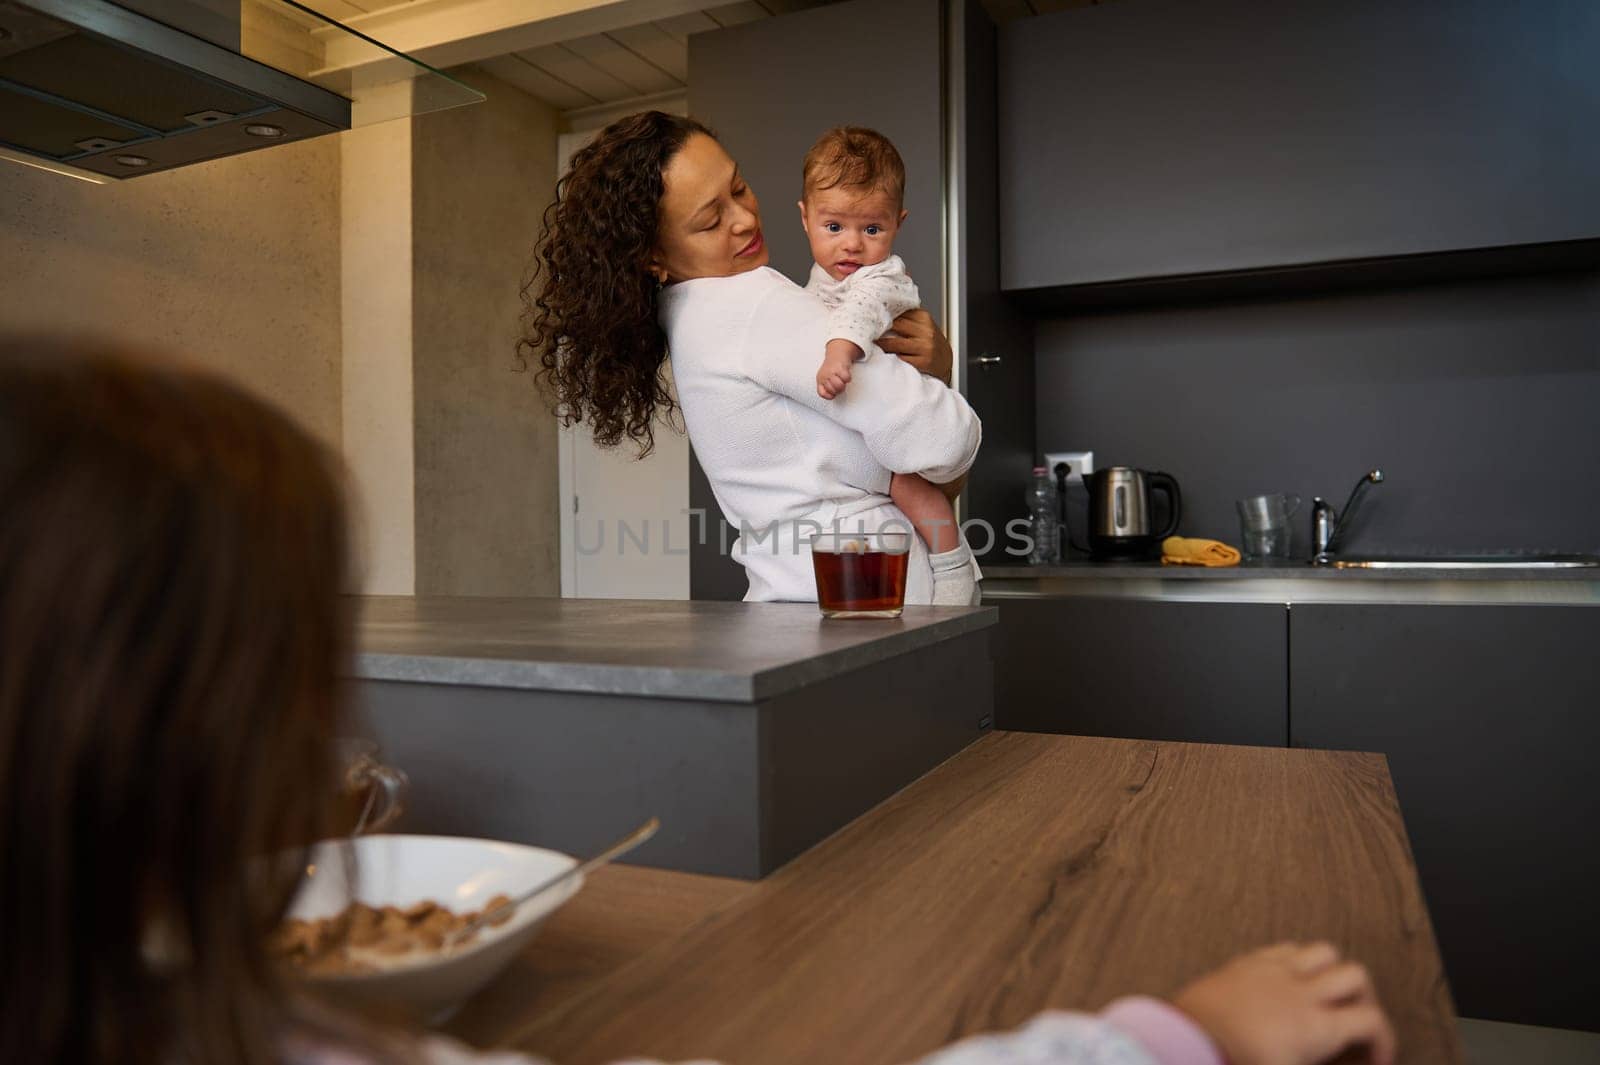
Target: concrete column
pixel 485 442
pixel 376 327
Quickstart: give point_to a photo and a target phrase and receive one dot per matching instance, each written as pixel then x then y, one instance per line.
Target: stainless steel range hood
pixel 100 91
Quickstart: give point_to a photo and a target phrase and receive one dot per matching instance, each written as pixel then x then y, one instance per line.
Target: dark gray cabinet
pixel 994 337
pixel 1156 139
pixel 1200 672
pixel 1490 718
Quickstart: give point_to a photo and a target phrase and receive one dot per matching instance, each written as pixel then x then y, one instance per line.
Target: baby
pixel 851 207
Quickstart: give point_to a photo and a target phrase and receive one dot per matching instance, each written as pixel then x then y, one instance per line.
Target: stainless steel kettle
pixel 1119 512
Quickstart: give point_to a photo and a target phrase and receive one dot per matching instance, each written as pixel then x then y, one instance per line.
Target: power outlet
pixel 1082 462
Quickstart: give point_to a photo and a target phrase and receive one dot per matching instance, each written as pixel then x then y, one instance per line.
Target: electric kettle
pixel 1119 512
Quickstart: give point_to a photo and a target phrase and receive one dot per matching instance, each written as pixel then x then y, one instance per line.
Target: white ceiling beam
pixel 448 33
pixel 560 61
pixel 630 68
pixel 535 82
pixel 737 13
pixel 658 46
pixel 680 27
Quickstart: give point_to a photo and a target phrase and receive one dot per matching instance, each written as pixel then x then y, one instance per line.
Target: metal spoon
pixel 616 850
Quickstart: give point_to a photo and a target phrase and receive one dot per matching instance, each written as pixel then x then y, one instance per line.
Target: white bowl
pixel 459 873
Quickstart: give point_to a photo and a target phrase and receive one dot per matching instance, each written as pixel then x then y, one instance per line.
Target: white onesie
pixel 862 307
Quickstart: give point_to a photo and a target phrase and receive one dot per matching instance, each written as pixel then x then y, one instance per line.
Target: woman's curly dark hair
pixel 589 316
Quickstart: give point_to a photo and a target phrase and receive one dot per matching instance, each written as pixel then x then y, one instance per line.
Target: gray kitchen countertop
pixel 1256 582
pixel 728 652
pixel 1262 570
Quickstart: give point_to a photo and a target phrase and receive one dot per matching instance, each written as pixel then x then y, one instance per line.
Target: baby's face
pixel 848 229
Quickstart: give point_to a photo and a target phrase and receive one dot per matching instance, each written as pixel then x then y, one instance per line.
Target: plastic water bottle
pixel 1043 524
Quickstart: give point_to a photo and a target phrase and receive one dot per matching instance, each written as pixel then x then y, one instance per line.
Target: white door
pixel 625 533
pixel 624 521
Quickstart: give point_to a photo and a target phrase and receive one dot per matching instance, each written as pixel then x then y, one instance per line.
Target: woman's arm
pixel 911 423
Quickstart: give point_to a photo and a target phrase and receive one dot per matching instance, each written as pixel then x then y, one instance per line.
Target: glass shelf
pixel 380 82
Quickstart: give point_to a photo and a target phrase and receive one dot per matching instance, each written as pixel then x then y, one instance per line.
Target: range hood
pixel 104 91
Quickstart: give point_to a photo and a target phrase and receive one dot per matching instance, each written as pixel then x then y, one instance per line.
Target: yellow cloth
pixel 1182 551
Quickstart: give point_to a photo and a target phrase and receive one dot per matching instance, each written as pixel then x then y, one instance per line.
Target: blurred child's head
pixel 852 199
pixel 172 562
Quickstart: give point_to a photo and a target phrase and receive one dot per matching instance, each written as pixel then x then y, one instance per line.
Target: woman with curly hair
pixel 654 244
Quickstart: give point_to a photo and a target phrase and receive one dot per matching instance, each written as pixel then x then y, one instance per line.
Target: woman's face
pixel 710 223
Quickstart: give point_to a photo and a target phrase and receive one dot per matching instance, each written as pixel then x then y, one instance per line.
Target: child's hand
pixel 835 372
pixel 832 378
pixel 1290 1005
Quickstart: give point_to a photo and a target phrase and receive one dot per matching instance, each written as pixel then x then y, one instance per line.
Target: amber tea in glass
pixel 861 575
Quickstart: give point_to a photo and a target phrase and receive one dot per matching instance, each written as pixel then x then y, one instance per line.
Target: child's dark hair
pixel 172 630
pixel 853 157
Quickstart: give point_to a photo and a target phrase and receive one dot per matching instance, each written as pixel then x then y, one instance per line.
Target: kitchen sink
pixel 1479 562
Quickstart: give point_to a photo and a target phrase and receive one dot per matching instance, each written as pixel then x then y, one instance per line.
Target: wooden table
pixel 622 912
pixel 1027 872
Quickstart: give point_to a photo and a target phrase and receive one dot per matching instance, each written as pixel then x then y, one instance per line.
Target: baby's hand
pixel 832 378
pixel 835 372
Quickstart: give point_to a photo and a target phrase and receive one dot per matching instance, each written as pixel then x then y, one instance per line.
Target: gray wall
pixel 233 263
pixel 771 87
pixel 486 478
pixel 1479 400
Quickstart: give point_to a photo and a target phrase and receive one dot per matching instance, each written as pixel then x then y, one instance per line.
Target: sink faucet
pixel 1327 525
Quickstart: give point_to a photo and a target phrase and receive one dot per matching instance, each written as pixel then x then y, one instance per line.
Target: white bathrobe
pixel 783 461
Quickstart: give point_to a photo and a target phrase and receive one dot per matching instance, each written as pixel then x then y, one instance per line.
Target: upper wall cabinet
pixel 1159 139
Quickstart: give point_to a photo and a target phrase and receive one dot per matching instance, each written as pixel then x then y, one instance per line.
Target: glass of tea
pixel 861 575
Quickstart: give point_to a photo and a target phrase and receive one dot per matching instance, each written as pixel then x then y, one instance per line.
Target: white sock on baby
pixel 953 581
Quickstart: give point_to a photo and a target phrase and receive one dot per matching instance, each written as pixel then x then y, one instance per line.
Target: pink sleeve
pixel 1162 1029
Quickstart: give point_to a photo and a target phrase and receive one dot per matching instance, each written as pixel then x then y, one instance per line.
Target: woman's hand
pixel 921 344
pixel 1289 1004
